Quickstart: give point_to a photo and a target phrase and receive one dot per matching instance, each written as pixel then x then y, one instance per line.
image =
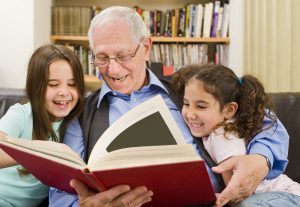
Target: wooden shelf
pixel 57 38
pixel 190 39
pixel 92 82
pixel 91 79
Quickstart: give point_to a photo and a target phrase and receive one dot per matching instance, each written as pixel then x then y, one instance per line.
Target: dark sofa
pixel 287 107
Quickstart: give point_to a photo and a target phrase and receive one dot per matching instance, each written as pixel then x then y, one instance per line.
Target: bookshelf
pixel 167 42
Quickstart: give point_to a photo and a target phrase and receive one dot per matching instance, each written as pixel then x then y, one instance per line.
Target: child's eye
pixel 52 84
pixel 201 107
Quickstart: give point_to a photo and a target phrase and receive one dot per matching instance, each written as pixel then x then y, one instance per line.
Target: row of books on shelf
pixel 72 20
pixel 193 20
pixel 173 56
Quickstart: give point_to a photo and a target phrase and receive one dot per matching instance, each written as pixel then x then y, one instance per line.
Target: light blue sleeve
pixel 272 143
pixel 74 139
pixel 13 122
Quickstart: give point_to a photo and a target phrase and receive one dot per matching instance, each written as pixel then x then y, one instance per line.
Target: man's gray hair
pixel 119 13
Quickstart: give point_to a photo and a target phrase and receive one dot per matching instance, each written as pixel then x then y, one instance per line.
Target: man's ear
pixel 230 109
pixel 147 45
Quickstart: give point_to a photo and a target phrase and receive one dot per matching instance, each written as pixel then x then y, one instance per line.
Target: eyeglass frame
pixel 132 55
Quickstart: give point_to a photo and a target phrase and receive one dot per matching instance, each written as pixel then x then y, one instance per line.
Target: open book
pixel 169 167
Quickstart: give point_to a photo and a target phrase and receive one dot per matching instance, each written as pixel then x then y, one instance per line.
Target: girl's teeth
pixel 62 102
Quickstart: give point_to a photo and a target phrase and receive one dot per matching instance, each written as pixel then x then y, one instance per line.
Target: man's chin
pixel 121 89
pixel 117 85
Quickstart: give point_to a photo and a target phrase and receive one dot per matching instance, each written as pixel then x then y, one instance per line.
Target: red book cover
pixel 173 184
pixel 180 184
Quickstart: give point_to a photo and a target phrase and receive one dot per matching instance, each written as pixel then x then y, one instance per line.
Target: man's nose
pixel 113 67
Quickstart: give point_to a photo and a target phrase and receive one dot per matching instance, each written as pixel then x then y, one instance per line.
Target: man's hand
pixel 248 172
pixel 119 196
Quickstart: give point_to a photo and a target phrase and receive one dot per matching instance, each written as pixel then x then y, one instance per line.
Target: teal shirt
pixel 15 189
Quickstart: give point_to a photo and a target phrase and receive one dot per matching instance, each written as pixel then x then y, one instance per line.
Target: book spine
pixel 225 21
pixel 215 19
pixel 208 11
pixel 94 182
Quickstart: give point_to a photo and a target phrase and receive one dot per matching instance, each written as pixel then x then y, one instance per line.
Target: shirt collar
pixel 153 81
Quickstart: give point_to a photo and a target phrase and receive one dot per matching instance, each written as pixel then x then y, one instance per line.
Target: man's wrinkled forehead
pixel 111 32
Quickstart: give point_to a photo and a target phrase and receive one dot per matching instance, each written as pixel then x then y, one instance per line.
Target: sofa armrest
pixel 287 108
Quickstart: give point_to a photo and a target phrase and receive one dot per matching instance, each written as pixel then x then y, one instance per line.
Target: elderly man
pixel 121 47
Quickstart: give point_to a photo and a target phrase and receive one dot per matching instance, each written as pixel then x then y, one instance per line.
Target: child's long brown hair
pixel 36 85
pixel 247 91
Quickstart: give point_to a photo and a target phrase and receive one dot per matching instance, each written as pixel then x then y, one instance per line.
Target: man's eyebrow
pixel 118 53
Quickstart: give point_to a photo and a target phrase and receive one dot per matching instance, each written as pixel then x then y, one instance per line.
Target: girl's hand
pixel 2 136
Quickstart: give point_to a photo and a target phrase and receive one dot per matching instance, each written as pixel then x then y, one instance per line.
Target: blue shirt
pixel 273 145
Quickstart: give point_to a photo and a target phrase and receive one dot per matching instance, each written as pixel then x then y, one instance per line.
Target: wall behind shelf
pixel 25 25
pixel 236 34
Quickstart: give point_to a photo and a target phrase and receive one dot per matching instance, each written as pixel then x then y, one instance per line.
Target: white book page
pixel 146 156
pixel 48 149
pixel 153 105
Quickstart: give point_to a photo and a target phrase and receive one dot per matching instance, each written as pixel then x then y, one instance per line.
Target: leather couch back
pixel 8 97
pixel 287 108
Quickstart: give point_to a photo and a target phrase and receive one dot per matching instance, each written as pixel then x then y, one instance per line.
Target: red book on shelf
pixel 168 69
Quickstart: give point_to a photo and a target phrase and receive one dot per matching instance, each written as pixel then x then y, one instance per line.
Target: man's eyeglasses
pixel 102 62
